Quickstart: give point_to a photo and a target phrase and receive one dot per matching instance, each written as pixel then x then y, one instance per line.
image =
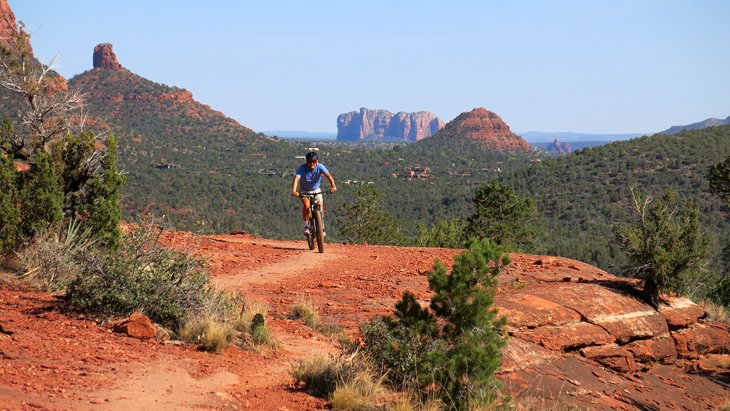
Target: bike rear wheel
pixel 319 230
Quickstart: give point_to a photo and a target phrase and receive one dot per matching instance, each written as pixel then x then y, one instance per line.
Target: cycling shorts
pixel 319 197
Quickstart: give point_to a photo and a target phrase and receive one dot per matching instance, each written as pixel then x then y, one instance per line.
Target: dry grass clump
pixel 725 405
pixel 360 393
pixel 305 310
pixel 715 312
pixel 50 260
pixel 319 374
pixel 347 380
pixel 210 333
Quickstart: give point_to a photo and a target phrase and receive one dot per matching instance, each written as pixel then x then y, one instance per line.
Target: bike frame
pixel 315 221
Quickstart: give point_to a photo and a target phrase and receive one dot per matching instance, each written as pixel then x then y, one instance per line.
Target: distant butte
pixel 104 57
pixel 487 129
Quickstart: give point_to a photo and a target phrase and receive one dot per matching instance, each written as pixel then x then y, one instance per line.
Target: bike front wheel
pixel 310 237
pixel 319 230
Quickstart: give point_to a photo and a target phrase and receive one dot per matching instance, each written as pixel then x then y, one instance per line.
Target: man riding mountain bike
pixel 307 180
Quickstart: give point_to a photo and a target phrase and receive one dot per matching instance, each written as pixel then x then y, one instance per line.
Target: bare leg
pixel 306 212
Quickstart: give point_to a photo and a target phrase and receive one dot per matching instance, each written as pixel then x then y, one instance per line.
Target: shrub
pixel 41 197
pixel 453 349
pixel 447 233
pixel 261 335
pixel 167 285
pixel 101 200
pixel 715 312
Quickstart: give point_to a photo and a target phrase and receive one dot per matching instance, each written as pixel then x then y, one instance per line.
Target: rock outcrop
pixel 580 309
pixel 557 147
pixel 486 129
pixel 8 26
pixel 104 58
pixel 369 124
pixel 582 332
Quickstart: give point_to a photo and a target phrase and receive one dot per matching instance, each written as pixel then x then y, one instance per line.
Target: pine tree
pixel 102 205
pixel 665 244
pixel 502 216
pixel 365 221
pixel 41 196
pixel 719 176
pixel 453 349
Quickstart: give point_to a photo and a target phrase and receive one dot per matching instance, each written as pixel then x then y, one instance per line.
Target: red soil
pixel 52 359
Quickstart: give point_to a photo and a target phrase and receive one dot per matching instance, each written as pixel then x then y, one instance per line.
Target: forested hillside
pixel 205 172
pixel 583 197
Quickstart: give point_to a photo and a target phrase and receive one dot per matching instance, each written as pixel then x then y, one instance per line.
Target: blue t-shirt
pixel 309 179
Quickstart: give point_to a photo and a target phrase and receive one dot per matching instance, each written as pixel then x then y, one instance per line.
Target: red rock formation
pixel 558 147
pixel 599 317
pixel 384 125
pixel 8 26
pixel 105 58
pixel 414 126
pixel 487 129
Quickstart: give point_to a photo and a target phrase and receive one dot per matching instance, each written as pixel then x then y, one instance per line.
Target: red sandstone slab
pixel 530 311
pixel 561 337
pixel 624 316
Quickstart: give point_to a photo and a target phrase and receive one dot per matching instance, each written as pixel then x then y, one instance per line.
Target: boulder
pixel 699 339
pixel 137 326
pixel 680 311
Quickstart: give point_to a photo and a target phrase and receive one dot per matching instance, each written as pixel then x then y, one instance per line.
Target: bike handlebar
pixel 312 195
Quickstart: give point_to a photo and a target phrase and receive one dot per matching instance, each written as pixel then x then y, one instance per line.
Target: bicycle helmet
pixel 312 156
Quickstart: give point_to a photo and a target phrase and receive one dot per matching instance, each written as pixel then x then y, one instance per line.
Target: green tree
pixel 721 290
pixel 719 176
pixel 455 347
pixel 502 216
pixel 665 244
pixel 69 175
pixel 101 202
pixel 41 196
pixel 9 210
pixel 365 220
pixel 447 233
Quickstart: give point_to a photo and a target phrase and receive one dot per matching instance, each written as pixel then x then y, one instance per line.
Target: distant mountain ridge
pixel 710 122
pixel 569 137
pixel 301 135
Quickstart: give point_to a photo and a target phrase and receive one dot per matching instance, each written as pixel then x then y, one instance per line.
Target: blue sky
pixel 587 66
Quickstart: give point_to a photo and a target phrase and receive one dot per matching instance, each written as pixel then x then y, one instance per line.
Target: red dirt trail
pixel 52 359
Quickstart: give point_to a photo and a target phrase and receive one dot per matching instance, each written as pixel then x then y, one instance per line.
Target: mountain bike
pixel 316 224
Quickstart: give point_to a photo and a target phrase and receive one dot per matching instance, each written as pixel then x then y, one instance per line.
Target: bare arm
pixel 333 187
pixel 295 186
